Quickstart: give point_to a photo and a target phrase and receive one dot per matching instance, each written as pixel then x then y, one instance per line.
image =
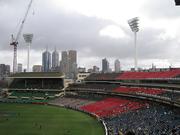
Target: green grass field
pixel 24 119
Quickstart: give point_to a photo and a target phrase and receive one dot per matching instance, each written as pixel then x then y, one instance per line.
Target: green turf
pixel 24 119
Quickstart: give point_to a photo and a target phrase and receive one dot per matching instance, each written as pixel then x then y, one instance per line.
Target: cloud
pixel 96 29
pixel 161 9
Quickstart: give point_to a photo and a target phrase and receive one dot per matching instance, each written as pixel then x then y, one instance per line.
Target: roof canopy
pixel 37 75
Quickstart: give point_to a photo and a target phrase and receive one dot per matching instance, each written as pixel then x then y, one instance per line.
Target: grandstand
pixel 172 73
pixel 141 102
pixel 144 102
pixel 34 87
pixel 144 76
pixel 37 81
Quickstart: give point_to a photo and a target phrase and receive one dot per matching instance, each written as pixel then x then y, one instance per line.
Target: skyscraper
pixel 72 63
pixel 20 67
pixel 46 61
pixel 68 63
pixel 105 65
pixel 117 66
pixel 64 62
pixel 55 60
pixel 4 70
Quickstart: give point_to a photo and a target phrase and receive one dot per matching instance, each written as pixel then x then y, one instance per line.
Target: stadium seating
pixel 151 120
pixel 111 107
pixel 102 76
pixel 94 86
pixel 139 90
pixel 148 75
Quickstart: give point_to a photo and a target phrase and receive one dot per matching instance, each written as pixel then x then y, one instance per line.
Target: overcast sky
pixel 96 29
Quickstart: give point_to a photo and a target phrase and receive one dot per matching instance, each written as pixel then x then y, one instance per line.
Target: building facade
pixel 20 67
pixel 81 69
pixel 4 70
pixel 117 66
pixel 72 63
pixel 68 63
pixel 64 65
pixel 95 69
pixel 37 68
pixel 55 60
pixel 105 65
pixel 46 61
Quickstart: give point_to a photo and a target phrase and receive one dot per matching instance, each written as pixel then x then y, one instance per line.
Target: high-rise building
pixel 55 60
pixel 117 68
pixel 68 63
pixel 64 62
pixel 4 70
pixel 8 69
pixel 105 65
pixel 72 63
pixel 37 68
pixel 46 61
pixel 20 67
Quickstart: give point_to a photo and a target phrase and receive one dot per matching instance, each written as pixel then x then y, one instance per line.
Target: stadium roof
pixel 37 75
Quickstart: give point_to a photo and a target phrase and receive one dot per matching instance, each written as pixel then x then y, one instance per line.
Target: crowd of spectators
pixel 124 116
pixel 151 120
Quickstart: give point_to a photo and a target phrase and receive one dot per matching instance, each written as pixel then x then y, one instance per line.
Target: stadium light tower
pixel 133 23
pixel 28 40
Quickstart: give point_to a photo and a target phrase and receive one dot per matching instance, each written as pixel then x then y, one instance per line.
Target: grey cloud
pixel 161 9
pixel 74 31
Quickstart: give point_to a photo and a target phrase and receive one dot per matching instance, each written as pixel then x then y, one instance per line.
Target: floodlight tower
pixel 133 23
pixel 28 40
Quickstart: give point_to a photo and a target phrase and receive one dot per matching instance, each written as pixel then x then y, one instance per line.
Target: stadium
pixel 146 102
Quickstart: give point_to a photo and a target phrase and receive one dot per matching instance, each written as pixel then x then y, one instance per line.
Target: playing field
pixel 24 119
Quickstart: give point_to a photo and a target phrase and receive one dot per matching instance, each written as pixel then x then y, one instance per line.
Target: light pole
pixel 28 40
pixel 133 23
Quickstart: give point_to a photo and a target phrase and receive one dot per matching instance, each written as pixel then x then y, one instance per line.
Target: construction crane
pixel 14 41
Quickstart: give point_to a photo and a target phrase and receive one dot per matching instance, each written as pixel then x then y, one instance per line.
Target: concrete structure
pixel 117 66
pixel 81 69
pixel 46 61
pixel 39 81
pixel 72 63
pixel 64 65
pixel 20 67
pixel 67 82
pixel 4 70
pixel 105 66
pixel 82 76
pixel 90 70
pixel 68 63
pixel 37 68
pixel 55 60
pixel 95 69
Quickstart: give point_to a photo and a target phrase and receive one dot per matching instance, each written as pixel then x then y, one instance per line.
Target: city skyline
pixel 94 33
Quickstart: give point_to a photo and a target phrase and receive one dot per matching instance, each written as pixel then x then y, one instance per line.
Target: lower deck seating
pixel 111 107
